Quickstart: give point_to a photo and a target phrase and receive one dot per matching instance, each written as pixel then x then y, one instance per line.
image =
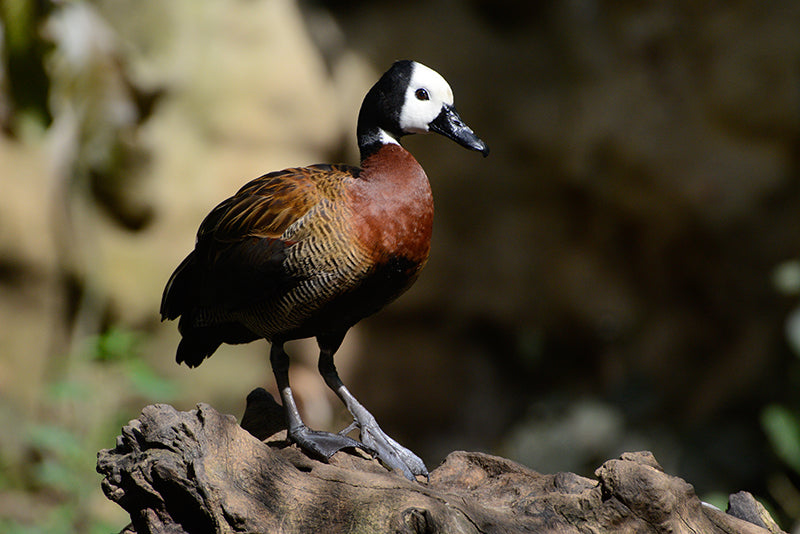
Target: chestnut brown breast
pixel 392 208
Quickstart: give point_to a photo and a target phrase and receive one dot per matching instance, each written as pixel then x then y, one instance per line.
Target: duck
pixel 307 252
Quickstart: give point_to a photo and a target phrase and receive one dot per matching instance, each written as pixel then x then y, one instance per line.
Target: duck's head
pixel 411 98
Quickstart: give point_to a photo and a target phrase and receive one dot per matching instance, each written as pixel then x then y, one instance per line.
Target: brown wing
pixel 267 206
pixel 239 253
pixel 263 208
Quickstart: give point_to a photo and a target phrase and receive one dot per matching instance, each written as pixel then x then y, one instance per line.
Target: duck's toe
pixel 322 445
pixel 391 453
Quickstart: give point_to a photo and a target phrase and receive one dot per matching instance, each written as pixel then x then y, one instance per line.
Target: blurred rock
pixel 567 440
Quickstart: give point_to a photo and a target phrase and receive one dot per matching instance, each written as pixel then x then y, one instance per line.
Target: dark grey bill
pixel 449 124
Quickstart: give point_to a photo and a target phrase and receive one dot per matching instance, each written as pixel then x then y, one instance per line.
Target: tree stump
pixel 199 471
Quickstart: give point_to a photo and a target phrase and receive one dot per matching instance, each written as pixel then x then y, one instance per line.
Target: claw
pixel 391 453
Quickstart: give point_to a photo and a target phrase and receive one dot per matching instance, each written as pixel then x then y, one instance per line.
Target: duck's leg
pixel 391 453
pixel 320 444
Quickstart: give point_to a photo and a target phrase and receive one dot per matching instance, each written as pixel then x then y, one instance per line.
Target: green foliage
pixel 782 427
pixel 116 344
pixel 63 457
pixel 60 521
pixel 781 422
pixel 147 383
pixel 79 414
pixel 124 348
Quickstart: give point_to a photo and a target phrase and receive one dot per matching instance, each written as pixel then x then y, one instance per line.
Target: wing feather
pixel 240 249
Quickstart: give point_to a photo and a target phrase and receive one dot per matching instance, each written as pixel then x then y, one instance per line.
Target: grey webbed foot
pixel 386 449
pixel 322 445
pixel 376 441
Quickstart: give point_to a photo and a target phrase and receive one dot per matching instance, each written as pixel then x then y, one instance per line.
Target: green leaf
pixel 59 476
pixel 116 344
pixel 783 431
pixel 147 383
pixel 69 390
pixel 56 440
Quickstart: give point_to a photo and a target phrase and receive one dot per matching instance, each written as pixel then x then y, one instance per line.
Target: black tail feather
pixel 186 296
pixel 193 350
pixel 200 342
pixel 175 299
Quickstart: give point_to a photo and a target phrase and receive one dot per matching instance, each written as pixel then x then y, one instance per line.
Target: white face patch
pixel 427 92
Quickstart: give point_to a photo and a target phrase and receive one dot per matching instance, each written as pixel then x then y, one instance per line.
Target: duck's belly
pixel 382 285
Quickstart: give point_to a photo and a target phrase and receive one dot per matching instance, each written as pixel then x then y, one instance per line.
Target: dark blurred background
pixel 622 273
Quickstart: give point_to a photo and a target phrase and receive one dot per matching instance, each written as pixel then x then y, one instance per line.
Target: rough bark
pixel 199 471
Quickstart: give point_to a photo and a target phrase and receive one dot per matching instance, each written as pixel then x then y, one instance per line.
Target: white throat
pixel 386 138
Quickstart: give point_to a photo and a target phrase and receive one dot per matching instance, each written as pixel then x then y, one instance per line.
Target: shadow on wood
pixel 200 471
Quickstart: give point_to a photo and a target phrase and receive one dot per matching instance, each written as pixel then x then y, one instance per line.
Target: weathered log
pixel 199 471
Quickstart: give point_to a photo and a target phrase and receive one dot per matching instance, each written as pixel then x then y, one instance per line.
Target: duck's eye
pixel 421 94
